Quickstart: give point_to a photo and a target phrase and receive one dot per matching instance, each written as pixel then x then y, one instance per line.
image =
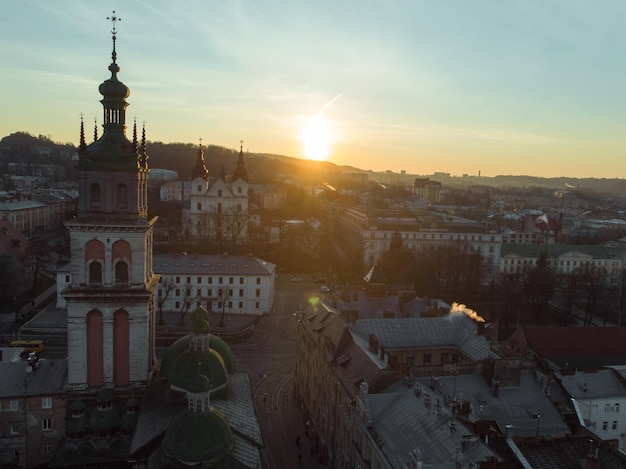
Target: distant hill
pixel 266 167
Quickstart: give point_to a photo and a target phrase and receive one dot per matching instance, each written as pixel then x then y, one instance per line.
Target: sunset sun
pixel 316 139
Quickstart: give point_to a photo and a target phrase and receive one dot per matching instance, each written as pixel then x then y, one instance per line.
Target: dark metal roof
pixel 211 264
pixel 49 377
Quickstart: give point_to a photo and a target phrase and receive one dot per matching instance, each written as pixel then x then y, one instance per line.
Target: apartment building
pixel 563 259
pixel 32 411
pixel 428 231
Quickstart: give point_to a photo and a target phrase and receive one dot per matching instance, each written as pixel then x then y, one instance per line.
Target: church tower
pixel 110 300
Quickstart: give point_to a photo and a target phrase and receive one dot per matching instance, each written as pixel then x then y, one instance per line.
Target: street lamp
pixel 537 416
pixel 224 297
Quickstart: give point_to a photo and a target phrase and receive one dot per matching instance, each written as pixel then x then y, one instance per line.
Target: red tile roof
pixel 562 342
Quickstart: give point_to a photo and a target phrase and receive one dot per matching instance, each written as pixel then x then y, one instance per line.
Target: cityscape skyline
pixel 515 88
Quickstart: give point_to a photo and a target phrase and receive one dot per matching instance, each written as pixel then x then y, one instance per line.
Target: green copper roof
pixel 199 326
pixel 182 346
pixel 193 438
pixel 210 364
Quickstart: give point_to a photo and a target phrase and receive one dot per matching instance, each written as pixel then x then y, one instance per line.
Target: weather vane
pixel 113 19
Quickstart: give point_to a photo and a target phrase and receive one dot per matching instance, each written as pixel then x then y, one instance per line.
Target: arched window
pixel 199 205
pixel 121 274
pixel 199 188
pixel 219 193
pixel 96 196
pixel 95 274
pixel 122 197
pixel 95 354
pixel 121 347
pixel 219 207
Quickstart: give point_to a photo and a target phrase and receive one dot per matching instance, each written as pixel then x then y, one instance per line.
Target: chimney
pixel 373 343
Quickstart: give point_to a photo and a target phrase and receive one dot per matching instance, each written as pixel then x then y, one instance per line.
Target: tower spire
pixel 95 129
pixel 144 153
pixel 240 171
pixel 135 135
pixel 82 145
pixel 200 169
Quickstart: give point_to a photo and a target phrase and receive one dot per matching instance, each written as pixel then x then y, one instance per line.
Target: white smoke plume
pixel 458 308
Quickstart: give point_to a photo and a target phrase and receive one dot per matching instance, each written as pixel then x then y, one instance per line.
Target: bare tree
pixel 166 287
pixel 186 304
pixel 539 284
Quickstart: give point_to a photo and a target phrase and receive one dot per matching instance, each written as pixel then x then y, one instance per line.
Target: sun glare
pixel 317 139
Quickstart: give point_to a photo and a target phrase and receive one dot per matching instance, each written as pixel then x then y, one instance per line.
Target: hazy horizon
pixel 511 88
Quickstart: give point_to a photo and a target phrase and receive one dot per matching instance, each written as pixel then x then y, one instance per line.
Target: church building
pixel 110 300
pixel 124 408
pixel 218 209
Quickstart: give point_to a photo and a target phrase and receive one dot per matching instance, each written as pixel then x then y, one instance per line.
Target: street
pixel 269 358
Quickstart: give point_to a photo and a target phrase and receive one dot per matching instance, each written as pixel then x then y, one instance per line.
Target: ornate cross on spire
pixel 114 19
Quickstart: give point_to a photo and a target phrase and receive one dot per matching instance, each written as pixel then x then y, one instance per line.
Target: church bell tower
pixel 110 300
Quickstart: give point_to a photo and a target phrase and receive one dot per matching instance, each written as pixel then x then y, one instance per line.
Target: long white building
pixel 232 283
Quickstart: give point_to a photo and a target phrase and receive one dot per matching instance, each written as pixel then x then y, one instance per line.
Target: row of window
pixel 121 274
pixel 121 197
pixel 187 293
pixel 209 305
pixel 220 280
pixel 605 425
pixel 219 191
pixel 219 207
pixel 14 404
pixel 427 358
pixel 428 236
pixel 560 262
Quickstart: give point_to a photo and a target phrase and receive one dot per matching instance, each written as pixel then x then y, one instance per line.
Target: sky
pixel 490 87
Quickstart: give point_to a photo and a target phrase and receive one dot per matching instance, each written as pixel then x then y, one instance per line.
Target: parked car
pixel 324 288
pixel 295 279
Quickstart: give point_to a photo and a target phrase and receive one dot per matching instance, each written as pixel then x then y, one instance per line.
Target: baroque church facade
pixel 218 208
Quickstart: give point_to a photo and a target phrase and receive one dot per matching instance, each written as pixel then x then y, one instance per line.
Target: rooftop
pixel 207 264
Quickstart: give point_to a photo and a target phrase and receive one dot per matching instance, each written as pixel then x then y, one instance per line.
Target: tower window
pixel 122 197
pixel 95 274
pixel 96 196
pixel 219 193
pixel 121 274
pixel 219 207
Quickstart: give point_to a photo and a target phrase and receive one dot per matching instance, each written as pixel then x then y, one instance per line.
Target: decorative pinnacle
pixel 114 19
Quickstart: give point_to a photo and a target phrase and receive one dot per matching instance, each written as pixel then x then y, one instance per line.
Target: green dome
pixel 225 352
pixel 200 313
pixel 199 326
pixel 199 384
pixel 78 406
pixel 181 346
pixel 104 420
pixel 193 438
pixel 210 364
